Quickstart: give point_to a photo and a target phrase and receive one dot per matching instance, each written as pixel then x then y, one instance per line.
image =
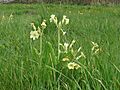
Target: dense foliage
pixel 72 1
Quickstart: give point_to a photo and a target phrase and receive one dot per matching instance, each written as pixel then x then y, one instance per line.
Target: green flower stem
pixel 58 42
pixel 41 42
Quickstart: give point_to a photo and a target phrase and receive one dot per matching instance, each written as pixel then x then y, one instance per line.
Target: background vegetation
pixel 21 68
pixel 72 1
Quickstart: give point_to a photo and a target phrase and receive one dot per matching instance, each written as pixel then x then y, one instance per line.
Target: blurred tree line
pixel 71 1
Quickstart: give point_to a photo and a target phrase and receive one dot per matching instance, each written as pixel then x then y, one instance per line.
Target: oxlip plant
pixel 70 59
pixel 59 25
pixel 38 32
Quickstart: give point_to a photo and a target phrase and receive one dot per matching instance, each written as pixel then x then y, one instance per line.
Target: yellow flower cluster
pixel 37 30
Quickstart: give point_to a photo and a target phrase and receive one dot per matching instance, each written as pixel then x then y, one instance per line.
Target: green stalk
pixel 21 74
pixel 58 42
pixel 41 43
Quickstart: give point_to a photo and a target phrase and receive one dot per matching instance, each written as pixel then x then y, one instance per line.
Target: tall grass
pixel 21 66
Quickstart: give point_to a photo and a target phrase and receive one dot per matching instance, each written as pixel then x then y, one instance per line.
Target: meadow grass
pixel 22 68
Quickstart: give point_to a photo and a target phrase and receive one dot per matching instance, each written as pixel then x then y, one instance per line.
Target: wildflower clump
pixel 70 55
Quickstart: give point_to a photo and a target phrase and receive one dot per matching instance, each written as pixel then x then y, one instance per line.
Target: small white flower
pixel 64 16
pixel 76 66
pixel 66 46
pixel 53 18
pixel 63 20
pixel 33 25
pixel 65 59
pixel 34 35
pixel 43 24
pixel 67 21
pixel 71 65
pixel 39 30
pixel 64 33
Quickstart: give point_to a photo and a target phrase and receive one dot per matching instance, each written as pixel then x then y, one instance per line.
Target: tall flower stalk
pixel 38 32
pixel 58 42
pixel 59 25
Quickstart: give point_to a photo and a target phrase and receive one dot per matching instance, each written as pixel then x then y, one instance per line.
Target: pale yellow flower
pixel 33 25
pixel 71 65
pixel 65 59
pixel 65 20
pixel 66 46
pixel 76 66
pixel 64 33
pixel 34 35
pixel 39 30
pixel 43 25
pixel 53 18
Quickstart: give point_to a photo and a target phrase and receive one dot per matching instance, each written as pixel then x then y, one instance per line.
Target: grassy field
pixel 94 28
